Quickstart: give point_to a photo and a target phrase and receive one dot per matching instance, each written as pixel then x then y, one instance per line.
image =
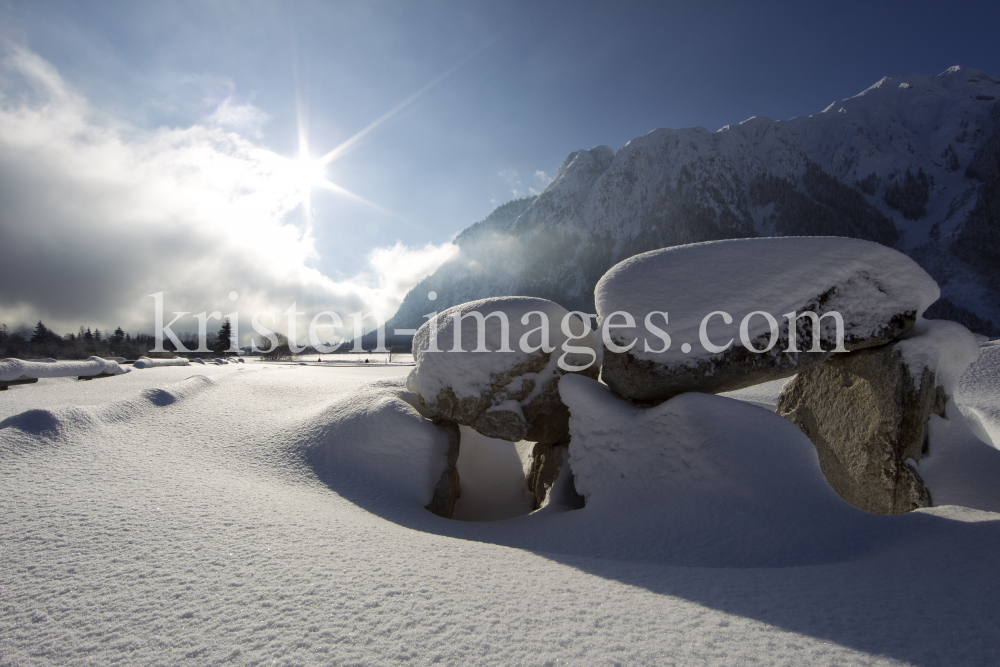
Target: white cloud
pixel 97 215
pixel 395 270
pixel 542 179
pixel 513 179
pixel 245 119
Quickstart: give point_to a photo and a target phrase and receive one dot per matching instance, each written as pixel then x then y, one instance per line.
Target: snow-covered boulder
pixel 146 362
pixel 502 386
pixel 18 369
pixel 714 316
pixel 867 413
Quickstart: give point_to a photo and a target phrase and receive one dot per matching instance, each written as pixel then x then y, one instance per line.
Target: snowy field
pixel 179 515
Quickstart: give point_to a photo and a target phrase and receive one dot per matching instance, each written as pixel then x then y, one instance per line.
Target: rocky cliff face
pixel 913 162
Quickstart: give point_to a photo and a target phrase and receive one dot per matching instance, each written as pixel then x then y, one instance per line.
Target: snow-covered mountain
pixel 913 162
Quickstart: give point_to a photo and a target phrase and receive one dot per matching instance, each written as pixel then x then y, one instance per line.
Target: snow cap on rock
pixel 146 362
pixel 499 386
pixel 943 347
pixel 17 369
pixel 878 292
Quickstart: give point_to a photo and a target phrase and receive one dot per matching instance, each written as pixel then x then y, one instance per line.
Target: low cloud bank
pixel 97 215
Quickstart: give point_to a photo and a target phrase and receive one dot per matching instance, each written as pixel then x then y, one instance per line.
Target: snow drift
pixel 17 369
pixel 146 362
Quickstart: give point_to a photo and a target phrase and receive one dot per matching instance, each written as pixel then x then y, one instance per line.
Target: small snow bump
pixel 904 86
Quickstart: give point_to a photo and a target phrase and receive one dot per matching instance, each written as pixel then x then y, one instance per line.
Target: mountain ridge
pixel 912 162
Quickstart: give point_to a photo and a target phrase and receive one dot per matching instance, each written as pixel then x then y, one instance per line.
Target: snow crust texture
pixel 274 515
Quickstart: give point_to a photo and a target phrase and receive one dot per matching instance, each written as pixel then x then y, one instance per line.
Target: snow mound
pixel 146 362
pixel 376 444
pixel 714 481
pixel 945 348
pixel 959 468
pixel 872 284
pixel 17 369
pixel 976 394
pixel 700 480
pixel 962 466
pixel 51 423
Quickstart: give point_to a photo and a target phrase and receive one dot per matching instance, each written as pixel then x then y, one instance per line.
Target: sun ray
pixel 344 147
pixel 312 171
pixel 303 131
pixel 333 187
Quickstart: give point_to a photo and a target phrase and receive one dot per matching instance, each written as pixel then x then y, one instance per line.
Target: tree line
pixel 42 343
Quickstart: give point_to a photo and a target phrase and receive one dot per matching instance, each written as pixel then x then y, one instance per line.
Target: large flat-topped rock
pixel 503 387
pixel 719 296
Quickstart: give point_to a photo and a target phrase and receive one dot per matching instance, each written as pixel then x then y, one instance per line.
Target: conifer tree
pixel 41 334
pixel 224 339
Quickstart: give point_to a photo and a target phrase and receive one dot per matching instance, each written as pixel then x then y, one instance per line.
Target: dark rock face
pixel 866 416
pixel 647 380
pixel 546 462
pixel 545 417
pixel 447 490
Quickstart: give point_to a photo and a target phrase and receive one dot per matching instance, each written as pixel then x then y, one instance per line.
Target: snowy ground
pixel 167 516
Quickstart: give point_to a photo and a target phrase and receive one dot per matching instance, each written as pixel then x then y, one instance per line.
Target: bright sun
pixel 308 173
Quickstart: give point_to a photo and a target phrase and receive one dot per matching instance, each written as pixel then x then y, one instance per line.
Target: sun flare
pixel 307 173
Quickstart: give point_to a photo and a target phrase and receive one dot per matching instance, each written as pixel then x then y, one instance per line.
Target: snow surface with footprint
pixel 260 514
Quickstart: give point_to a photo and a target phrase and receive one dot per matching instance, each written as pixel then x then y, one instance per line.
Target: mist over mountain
pixel 913 162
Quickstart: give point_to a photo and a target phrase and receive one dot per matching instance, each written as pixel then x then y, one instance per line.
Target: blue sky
pixel 543 79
